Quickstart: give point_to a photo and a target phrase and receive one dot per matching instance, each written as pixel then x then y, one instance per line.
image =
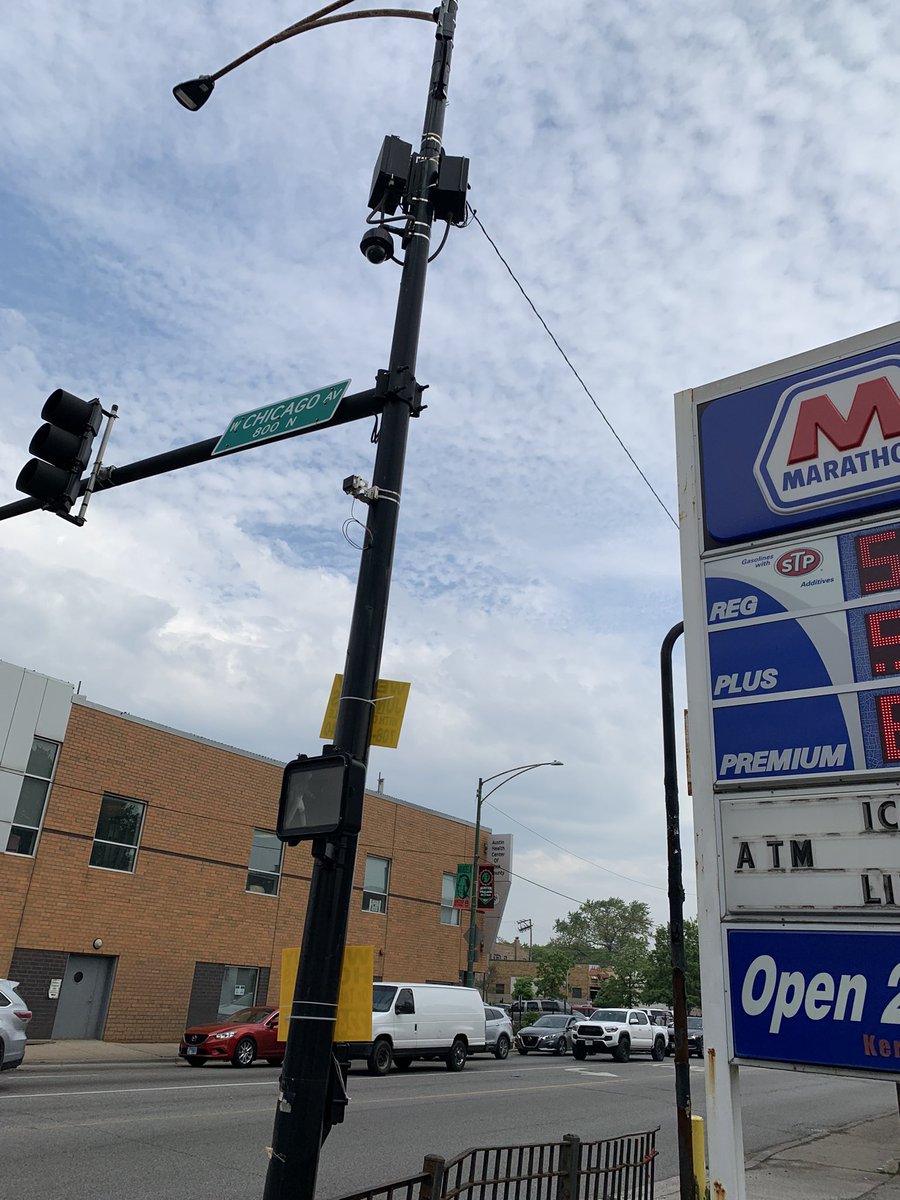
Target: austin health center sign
pixel 790 478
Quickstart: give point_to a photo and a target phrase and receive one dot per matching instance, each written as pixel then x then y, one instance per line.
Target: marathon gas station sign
pixel 790 496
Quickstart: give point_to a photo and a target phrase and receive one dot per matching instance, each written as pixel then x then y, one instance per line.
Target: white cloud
pixel 684 194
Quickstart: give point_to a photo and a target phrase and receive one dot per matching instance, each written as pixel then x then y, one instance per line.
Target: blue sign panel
pixel 804 657
pixel 810 448
pixel 816 998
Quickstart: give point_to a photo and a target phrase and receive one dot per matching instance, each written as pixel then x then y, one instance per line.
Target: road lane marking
pixel 172 1087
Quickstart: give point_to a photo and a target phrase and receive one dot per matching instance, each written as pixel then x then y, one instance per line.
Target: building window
pixel 449 914
pixel 29 812
pixel 576 993
pixel 265 863
pixel 500 987
pixel 118 833
pixel 238 990
pixel 375 884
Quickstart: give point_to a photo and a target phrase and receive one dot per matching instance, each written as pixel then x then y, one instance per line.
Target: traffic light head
pixel 62 449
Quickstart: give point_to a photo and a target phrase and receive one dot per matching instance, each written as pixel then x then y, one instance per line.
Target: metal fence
pixel 621 1168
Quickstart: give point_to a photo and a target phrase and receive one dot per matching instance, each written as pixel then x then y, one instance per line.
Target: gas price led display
pixel 878 561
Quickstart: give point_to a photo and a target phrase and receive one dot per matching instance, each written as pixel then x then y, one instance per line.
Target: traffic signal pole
pixel 304 1111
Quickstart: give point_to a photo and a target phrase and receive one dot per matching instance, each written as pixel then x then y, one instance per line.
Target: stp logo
pixel 798 562
pixel 834 437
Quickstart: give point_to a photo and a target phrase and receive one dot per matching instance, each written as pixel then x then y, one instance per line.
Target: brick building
pixel 142 887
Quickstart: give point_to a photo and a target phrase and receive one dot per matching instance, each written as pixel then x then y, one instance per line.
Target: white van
pixel 422 1020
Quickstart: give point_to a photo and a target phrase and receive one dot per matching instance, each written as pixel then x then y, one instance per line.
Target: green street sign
pixel 284 417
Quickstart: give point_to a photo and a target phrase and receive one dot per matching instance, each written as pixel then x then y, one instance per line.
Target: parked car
pixel 666 1020
pixel 695 1036
pixel 498 1030
pixel 585 1010
pixel 552 1031
pixel 247 1034
pixel 524 1008
pixel 14 1017
pixel 619 1032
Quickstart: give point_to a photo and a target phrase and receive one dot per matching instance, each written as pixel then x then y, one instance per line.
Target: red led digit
pixel 878 559
pixel 883 637
pixel 888 709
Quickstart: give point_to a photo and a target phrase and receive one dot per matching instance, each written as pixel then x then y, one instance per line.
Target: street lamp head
pixel 194 93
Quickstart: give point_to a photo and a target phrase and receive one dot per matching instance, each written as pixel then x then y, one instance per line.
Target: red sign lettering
pixel 818 414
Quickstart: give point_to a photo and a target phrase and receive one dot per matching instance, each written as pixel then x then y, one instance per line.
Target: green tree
pixel 522 989
pixel 658 987
pixel 553 967
pixel 612 933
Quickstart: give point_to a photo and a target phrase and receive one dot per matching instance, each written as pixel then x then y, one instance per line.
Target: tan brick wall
pixel 186 900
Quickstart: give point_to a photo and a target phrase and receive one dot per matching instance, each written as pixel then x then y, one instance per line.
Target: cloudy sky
pixel 684 193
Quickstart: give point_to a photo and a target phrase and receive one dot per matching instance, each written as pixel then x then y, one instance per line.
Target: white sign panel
pixel 813 855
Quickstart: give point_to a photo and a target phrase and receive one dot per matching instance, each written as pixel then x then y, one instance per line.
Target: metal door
pixel 84 997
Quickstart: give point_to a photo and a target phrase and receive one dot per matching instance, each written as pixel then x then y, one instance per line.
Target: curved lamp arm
pixel 512 773
pixel 194 93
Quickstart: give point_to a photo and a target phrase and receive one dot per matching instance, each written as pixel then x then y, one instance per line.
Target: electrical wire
pixel 590 862
pixel 571 367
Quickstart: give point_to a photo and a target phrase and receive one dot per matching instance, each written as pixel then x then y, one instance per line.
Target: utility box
pixel 449 195
pixel 391 175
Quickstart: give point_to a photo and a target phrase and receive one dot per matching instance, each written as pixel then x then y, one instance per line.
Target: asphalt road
pixel 161 1130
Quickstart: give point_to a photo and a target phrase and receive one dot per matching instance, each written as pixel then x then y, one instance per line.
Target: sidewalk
pixel 40 1053
pixel 846 1164
pixel 857 1161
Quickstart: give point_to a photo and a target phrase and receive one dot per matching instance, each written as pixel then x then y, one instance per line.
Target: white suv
pixel 619 1032
pixel 14 1016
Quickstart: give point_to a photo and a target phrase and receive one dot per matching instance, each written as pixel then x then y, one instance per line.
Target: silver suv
pixel 14 1016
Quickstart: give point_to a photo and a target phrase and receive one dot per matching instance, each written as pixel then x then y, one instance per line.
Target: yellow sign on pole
pixel 390 705
pixel 354 1014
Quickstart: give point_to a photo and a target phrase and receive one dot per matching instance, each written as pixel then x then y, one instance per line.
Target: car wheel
pixel 196 1062
pixel 579 1051
pixel 379 1061
pixel 456 1059
pixel 658 1053
pixel 521 1049
pixel 402 1064
pixel 700 1049
pixel 560 1047
pixel 501 1050
pixel 244 1052
pixel 274 1062
pixel 622 1052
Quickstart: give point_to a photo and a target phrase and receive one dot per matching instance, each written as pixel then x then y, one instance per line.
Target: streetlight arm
pixel 318 21
pixel 513 773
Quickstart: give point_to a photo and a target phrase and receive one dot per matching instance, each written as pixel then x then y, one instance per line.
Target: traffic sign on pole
pixel 272 421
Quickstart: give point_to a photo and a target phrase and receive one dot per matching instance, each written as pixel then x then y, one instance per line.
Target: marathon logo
pixel 833 438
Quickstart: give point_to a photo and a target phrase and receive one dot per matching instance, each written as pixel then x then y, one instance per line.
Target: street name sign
pixel 277 420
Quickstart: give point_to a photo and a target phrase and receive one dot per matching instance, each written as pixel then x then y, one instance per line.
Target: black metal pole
pixel 301 1116
pixel 676 921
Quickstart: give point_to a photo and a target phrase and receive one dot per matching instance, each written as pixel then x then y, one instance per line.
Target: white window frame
pixel 253 871
pixel 373 899
pixel 48 780
pixel 449 914
pixel 135 845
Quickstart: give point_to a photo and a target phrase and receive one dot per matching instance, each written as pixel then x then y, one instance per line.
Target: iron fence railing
pixel 620 1168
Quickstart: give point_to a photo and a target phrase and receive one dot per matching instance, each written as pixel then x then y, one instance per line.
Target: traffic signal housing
pixel 62 449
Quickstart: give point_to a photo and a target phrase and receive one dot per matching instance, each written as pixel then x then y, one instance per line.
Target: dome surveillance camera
pixel 377 244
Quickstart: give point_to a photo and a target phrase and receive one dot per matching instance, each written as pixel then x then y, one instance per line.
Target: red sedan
pixel 247 1034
